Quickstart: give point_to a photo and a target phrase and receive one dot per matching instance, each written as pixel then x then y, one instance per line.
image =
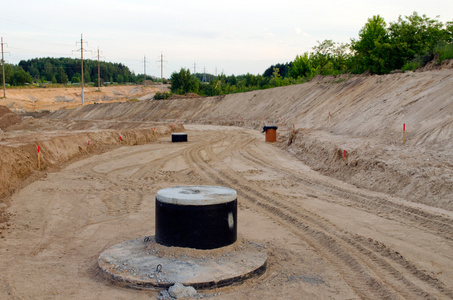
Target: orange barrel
pixel 271 133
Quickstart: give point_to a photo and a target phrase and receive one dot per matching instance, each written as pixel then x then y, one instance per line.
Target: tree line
pixel 64 70
pixel 407 44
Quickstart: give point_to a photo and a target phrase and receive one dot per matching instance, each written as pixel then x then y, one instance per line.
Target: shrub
pixel 162 96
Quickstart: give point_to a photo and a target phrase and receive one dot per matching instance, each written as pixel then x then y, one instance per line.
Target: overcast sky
pixel 233 37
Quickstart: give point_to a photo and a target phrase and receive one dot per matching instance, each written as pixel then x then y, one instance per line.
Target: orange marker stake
pixel 39 158
pixel 404 133
pixel 345 161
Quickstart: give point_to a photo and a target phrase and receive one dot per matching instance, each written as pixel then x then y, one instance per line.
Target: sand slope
pixel 367 117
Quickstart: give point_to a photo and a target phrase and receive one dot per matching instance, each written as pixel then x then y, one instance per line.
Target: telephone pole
pixel 3 71
pixel 81 55
pixel 194 70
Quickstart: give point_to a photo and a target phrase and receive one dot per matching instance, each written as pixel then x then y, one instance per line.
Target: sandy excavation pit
pixel 380 228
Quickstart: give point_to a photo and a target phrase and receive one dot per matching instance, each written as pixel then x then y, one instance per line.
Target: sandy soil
pixel 379 228
pixel 326 238
pixel 70 97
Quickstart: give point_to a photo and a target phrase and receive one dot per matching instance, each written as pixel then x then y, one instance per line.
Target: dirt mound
pixel 51 98
pixel 8 118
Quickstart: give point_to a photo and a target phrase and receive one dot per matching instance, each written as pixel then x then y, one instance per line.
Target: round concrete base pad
pixel 144 264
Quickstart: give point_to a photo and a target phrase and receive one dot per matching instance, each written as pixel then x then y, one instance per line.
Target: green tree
pixel 416 36
pixel 323 56
pixel 76 78
pixel 373 49
pixel 276 79
pixel 20 77
pixel 9 71
pixel 61 76
pixel 183 82
pixel 301 67
pixel 341 56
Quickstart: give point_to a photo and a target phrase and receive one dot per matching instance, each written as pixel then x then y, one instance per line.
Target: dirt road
pixel 326 239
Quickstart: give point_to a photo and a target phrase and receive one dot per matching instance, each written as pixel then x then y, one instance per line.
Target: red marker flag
pixel 329 113
pixel 38 149
pixel 345 153
pixel 404 127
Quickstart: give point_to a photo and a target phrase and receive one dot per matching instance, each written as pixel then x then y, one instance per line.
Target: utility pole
pixel 194 70
pixel 81 52
pixel 3 71
pixel 204 75
pixel 99 72
pixel 161 61
pixel 81 55
pixel 161 72
pixel 144 68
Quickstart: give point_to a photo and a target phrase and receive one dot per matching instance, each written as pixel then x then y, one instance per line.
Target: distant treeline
pixel 64 70
pixel 407 44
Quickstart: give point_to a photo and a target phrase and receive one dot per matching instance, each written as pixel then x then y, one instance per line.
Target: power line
pixel 81 54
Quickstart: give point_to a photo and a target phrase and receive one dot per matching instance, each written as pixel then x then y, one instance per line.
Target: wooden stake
pixel 329 120
pixel 404 133
pixel 345 161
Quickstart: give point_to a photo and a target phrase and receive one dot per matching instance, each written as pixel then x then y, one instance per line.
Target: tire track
pixel 437 224
pixel 331 242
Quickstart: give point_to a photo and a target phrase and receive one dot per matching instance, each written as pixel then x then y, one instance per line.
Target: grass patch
pixel 444 52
